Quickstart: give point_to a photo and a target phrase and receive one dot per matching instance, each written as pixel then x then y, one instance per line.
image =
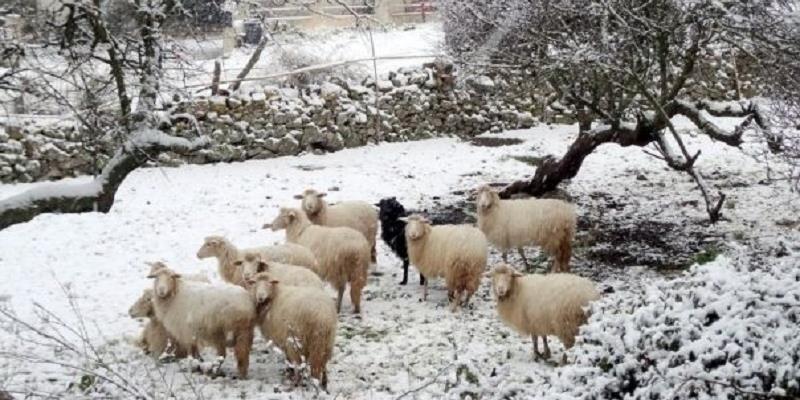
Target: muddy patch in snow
pixel 483 141
pixel 607 241
pixel 609 237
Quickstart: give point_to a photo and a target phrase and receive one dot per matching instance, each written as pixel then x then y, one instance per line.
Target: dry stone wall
pixel 273 121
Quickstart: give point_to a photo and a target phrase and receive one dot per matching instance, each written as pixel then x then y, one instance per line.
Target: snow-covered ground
pixel 399 345
pixel 323 47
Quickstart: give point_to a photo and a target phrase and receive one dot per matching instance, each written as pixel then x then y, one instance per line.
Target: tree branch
pixel 97 195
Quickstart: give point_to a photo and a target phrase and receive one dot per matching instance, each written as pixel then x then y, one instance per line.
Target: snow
pixel 399 344
pixel 332 46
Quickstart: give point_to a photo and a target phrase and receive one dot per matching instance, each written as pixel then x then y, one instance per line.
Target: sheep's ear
pixel 321 195
pixel 298 197
pixel 268 225
pixel 237 263
pixel 273 282
pixel 517 274
pixel 404 219
pixel 151 275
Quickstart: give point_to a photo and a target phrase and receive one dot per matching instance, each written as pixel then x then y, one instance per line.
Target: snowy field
pixel 399 346
pixel 321 47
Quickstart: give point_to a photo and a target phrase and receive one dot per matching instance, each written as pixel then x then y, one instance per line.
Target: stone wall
pixel 272 121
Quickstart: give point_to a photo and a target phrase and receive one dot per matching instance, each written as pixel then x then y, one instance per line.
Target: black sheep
pixel 393 232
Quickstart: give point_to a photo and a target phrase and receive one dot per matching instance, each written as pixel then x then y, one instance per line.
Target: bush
pixel 725 330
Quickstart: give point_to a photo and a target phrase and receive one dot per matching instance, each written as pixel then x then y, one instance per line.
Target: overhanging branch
pixel 97 195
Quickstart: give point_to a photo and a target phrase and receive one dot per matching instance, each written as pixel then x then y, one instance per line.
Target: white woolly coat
pixel 342 253
pixel 551 304
pixel 358 215
pixel 289 253
pixel 523 222
pixel 287 274
pixel 201 311
pixel 306 314
pixel 456 252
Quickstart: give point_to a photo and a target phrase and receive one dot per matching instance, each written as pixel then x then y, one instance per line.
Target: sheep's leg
pixel 373 256
pixel 339 296
pixel 241 349
pixel 421 279
pixel 220 347
pixel 452 298
pixel 196 352
pixel 425 291
pixel 405 273
pixel 535 347
pixel 355 297
pixel 504 254
pixel 524 259
pixel 546 348
pixel 467 297
pixel 297 377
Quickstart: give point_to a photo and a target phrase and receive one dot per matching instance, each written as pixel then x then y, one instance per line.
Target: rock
pixel 358 91
pixel 217 104
pixel 482 83
pixel 15 132
pixel 312 135
pixel 525 120
pixel 331 91
pixel 385 86
pixel 287 145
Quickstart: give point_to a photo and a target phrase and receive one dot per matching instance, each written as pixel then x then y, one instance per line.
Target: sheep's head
pixel 166 280
pixel 285 218
pixel 262 288
pixel 312 202
pixel 417 227
pixel 143 307
pixel 211 247
pixel 251 264
pixel 486 198
pixel 390 209
pixel 503 277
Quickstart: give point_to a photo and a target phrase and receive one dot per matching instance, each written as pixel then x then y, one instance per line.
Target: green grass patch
pixel 708 255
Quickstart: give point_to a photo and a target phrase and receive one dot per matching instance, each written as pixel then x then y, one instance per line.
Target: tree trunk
pixel 97 195
pixel 249 66
pixel 552 171
pixel 215 77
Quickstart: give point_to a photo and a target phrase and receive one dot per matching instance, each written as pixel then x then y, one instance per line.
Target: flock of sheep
pixel 280 288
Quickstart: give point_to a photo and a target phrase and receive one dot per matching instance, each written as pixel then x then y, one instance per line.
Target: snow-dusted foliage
pixel 726 329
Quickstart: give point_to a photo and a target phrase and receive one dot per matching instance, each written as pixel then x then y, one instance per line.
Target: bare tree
pixel 133 59
pixel 632 65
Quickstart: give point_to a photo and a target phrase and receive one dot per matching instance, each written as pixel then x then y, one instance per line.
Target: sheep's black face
pixel 390 209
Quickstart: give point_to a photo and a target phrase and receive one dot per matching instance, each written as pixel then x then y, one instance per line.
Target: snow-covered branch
pixel 97 195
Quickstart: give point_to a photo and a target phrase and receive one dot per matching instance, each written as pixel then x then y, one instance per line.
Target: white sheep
pixel 196 313
pixel 358 215
pixel 300 320
pixel 251 264
pixel 509 224
pixel 342 253
pixel 456 252
pixel 154 338
pixel 542 305
pixel 227 254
